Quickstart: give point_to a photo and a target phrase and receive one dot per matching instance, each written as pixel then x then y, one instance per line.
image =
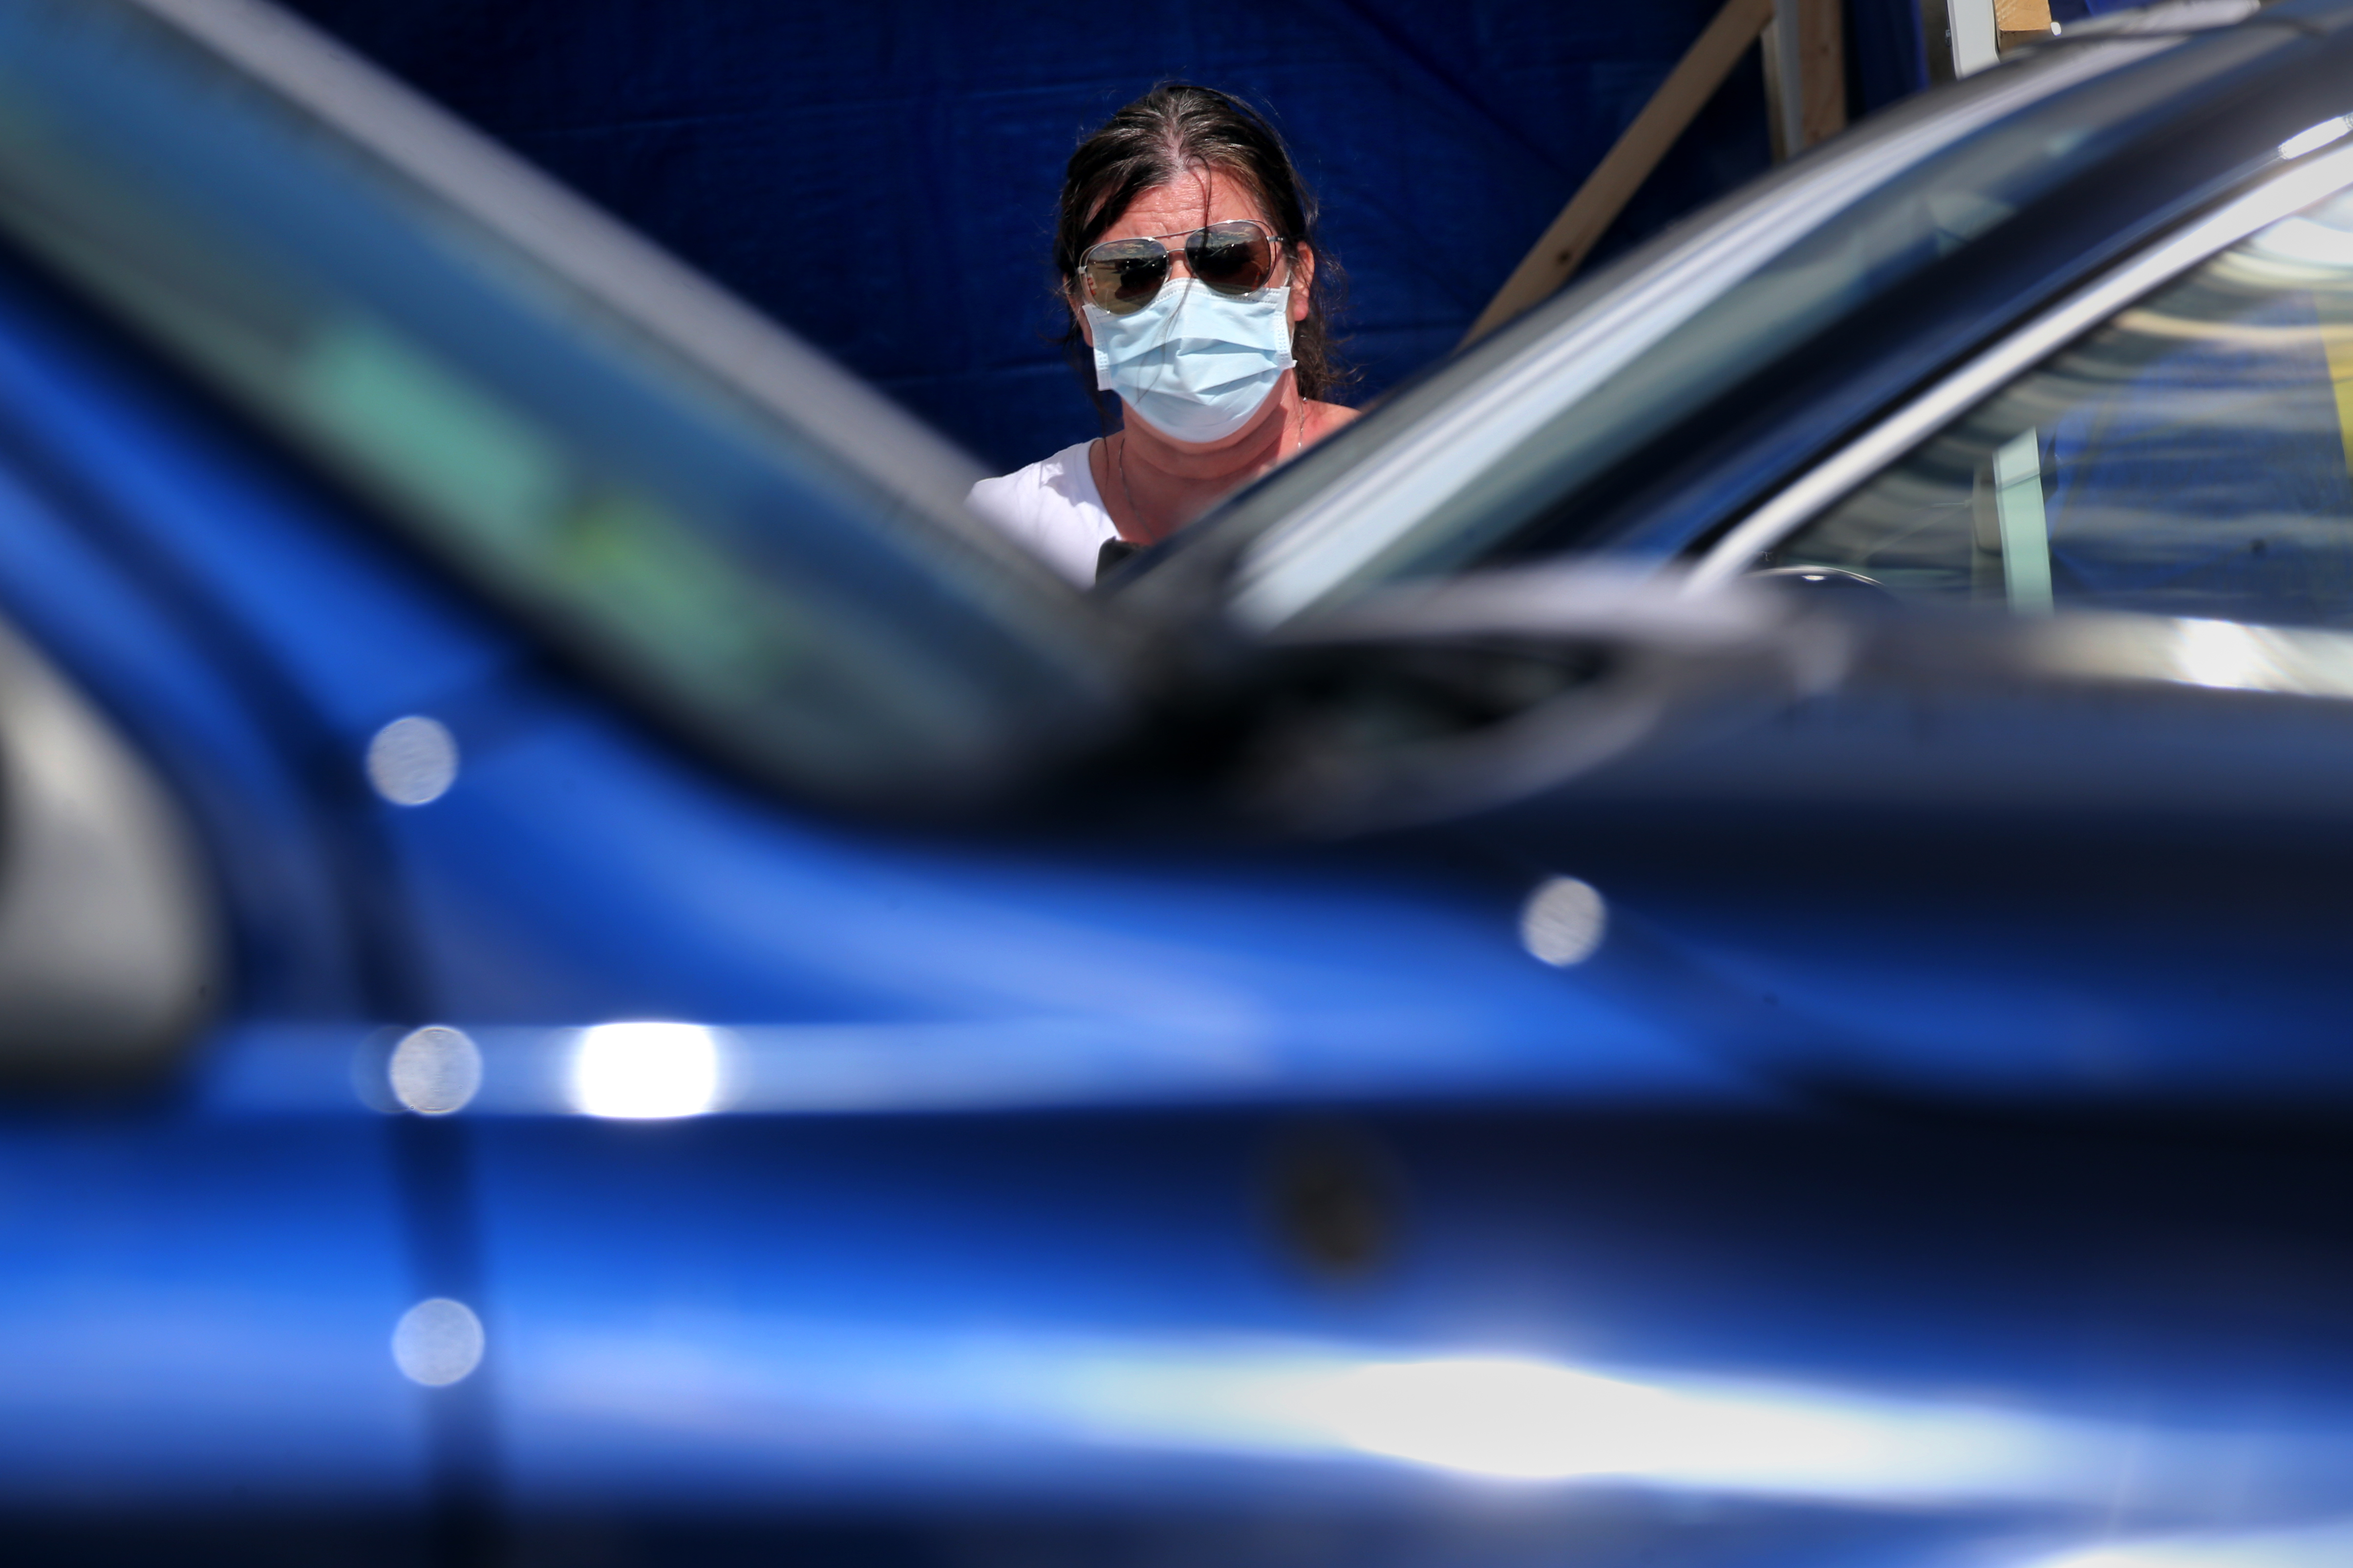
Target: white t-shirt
pixel 1052 509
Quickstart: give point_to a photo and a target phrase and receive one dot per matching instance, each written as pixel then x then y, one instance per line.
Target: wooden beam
pixel 1626 164
pixel 1805 75
pixel 2017 22
pixel 1784 104
pixel 1822 69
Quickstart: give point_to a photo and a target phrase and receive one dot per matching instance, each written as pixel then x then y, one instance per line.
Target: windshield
pixel 727 529
pixel 1509 435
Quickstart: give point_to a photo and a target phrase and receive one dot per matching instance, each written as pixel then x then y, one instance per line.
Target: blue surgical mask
pixel 1194 364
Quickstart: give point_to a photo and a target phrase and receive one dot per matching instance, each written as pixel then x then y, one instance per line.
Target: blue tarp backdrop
pixel 882 176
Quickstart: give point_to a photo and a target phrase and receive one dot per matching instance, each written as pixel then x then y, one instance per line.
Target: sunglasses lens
pixel 1125 276
pixel 1231 257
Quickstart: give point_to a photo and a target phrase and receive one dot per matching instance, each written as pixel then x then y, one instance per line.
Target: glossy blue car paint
pixel 253 636
pixel 1081 1198
pixel 490 912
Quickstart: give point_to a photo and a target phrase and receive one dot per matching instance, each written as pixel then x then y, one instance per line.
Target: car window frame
pixel 2296 181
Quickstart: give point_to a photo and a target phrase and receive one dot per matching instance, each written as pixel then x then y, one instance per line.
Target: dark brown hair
pixel 1154 142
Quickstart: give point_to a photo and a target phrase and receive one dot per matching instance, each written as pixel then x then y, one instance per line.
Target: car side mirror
pixel 1429 701
pixel 109 945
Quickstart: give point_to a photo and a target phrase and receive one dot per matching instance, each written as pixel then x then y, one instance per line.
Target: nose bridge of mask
pixel 1190 328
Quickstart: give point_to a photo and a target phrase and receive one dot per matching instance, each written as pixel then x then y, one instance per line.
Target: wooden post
pixel 1805 75
pixel 2017 22
pixel 1626 164
pixel 1784 73
pixel 1822 67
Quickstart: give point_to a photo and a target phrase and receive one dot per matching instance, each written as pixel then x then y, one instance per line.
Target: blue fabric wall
pixel 882 176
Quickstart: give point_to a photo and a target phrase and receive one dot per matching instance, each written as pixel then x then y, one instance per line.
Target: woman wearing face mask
pixel 1186 246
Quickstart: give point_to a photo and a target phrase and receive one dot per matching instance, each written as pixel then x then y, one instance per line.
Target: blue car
pixel 591 972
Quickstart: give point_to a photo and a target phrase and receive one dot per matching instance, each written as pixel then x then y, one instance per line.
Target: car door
pixel 200 1280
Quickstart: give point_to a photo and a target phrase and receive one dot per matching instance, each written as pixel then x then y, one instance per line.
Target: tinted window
pixel 2187 458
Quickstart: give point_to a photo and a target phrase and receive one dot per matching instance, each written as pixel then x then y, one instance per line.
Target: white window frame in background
pixel 1975 36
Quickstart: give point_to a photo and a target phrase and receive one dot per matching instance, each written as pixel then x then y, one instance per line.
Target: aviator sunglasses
pixel 1123 275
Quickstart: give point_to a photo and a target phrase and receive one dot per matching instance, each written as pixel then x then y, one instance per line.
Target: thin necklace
pixel 1298 443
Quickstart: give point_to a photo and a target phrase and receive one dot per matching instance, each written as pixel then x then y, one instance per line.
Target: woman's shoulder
pixel 1065 476
pixel 1052 507
pixel 1324 418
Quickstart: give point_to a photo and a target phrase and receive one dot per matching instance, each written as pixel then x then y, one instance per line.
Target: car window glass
pixel 2187 457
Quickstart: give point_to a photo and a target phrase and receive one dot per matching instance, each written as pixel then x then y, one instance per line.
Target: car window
pixel 1503 451
pixel 725 529
pixel 2187 457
